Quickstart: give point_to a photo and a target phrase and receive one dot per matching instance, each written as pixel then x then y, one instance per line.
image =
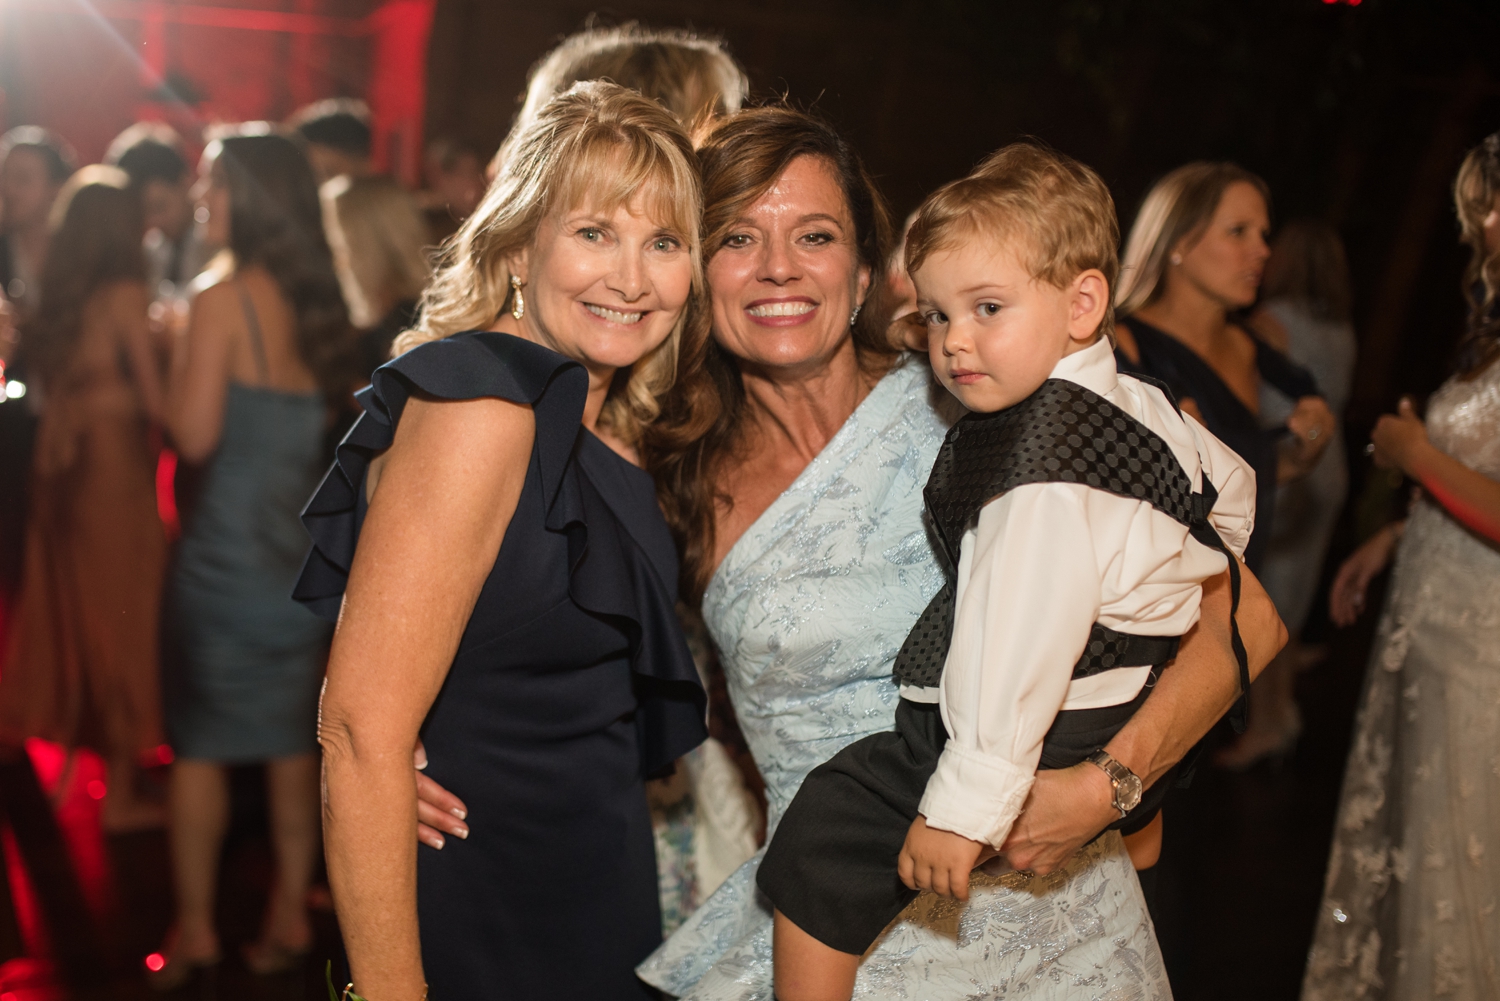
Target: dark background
pixel 1358 114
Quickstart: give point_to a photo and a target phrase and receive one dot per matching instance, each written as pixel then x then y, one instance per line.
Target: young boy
pixel 1079 514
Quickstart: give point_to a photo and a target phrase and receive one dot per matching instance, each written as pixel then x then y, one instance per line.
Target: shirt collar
pixel 1093 368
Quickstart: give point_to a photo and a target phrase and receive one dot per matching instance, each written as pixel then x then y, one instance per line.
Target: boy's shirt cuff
pixel 976 795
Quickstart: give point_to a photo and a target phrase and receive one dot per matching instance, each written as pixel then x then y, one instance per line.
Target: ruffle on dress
pixel 611 574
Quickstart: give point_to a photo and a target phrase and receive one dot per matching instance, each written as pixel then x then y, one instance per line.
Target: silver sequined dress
pixel 808 611
pixel 1411 909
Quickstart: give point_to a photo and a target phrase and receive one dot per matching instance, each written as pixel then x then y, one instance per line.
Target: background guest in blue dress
pixel 1194 259
pixel 266 349
pixel 511 595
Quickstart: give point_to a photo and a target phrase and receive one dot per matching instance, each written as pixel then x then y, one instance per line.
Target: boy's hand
pixel 939 861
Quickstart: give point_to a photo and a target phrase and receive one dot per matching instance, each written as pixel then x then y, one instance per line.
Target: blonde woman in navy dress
pixel 504 581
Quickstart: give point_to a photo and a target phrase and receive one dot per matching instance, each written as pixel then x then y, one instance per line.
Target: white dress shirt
pixel 1040 566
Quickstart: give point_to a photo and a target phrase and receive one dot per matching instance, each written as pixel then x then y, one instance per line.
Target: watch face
pixel 1128 793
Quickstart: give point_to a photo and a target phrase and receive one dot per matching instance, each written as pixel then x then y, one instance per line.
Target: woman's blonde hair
pixel 379 241
pixel 1179 208
pixel 1474 193
pixel 689 74
pixel 599 145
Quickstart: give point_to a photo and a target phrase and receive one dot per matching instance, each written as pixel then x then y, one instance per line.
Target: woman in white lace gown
pixel 1411 907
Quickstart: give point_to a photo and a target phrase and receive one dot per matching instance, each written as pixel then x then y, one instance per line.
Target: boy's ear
pixel 1089 303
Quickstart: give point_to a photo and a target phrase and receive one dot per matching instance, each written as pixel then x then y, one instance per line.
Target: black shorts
pixel 831 866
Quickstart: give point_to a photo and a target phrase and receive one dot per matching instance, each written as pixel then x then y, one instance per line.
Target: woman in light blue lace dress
pixel 810 547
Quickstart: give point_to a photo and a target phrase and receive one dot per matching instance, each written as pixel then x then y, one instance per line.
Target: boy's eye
pixel 989 308
pixel 933 318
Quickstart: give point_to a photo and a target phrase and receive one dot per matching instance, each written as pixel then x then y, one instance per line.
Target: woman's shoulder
pixel 479 363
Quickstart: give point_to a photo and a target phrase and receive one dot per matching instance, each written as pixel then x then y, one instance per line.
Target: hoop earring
pixel 518 302
pixel 855 315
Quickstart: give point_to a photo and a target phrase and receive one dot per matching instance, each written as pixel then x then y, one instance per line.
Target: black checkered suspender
pixel 1062 433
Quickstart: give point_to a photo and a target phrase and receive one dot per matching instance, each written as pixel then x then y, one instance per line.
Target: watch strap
pixel 1117 773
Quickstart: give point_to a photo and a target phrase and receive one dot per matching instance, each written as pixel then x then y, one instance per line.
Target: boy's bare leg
pixel 1144 845
pixel 808 970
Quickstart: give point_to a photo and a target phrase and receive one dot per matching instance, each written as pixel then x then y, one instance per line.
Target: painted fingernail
pixel 460 813
pixel 438 843
pixel 462 832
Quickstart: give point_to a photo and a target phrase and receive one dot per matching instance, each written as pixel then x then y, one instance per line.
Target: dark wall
pixel 1358 114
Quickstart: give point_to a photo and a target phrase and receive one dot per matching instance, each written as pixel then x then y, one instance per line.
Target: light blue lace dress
pixel 808 611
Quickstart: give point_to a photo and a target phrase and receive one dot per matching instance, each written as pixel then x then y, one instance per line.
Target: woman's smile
pixel 614 315
pixel 781 312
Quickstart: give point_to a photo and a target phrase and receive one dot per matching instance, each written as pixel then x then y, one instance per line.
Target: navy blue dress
pixel 1165 358
pixel 571 685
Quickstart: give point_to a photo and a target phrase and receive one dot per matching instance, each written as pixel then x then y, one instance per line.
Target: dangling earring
pixel 1176 258
pixel 518 302
pixel 855 315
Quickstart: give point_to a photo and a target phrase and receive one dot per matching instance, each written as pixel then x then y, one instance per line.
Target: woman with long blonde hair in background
pixel 379 242
pixel 504 581
pixel 1192 263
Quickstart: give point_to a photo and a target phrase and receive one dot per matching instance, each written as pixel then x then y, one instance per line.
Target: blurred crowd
pixel 181 345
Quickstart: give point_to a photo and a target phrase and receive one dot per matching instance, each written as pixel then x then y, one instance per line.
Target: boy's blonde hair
pixel 1055 212
pixel 598 145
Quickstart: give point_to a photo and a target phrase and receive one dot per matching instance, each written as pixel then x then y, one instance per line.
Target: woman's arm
pixel 1069 806
pixel 1471 497
pixel 449 486
pixel 199 383
pixel 129 310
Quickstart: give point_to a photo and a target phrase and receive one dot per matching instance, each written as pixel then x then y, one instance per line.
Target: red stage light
pixel 9 996
pixel 96 789
pixel 154 963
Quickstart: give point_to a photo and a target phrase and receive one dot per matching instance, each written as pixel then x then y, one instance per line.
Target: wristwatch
pixel 1126 783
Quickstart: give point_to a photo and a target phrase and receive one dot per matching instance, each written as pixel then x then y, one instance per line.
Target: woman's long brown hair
pixel 700 425
pixel 96 240
pixel 276 221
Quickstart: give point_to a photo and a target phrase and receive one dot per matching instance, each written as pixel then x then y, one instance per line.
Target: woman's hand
pixel 1312 425
pixel 1399 437
pixel 1069 806
pixel 1066 808
pixel 437 808
pixel 1346 599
